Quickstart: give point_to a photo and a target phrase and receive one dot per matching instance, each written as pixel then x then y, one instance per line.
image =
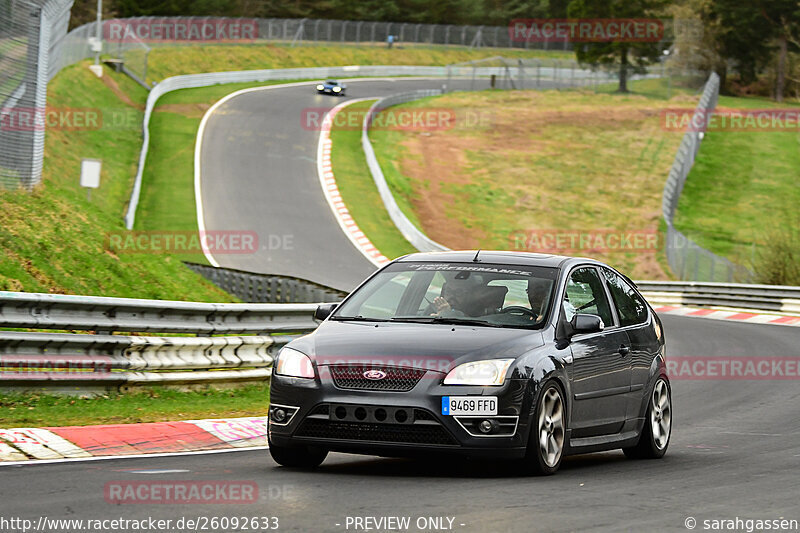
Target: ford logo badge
pixel 374 374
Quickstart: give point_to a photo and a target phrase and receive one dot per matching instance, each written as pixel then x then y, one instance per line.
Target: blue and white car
pixel 332 87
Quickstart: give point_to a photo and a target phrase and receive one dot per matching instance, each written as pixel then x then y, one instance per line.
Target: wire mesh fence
pixel 687 259
pixel 31 33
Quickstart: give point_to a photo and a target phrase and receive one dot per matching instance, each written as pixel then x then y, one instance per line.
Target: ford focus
pixel 495 355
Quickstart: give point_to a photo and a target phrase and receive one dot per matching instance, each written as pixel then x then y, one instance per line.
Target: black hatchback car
pixel 487 354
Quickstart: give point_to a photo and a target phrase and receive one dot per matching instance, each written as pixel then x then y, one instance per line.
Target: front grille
pixel 399 433
pixel 398 379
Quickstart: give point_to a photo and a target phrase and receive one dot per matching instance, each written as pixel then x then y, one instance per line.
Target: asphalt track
pixel 259 174
pixel 735 452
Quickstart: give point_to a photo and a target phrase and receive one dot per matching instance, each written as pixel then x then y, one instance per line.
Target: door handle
pixel 624 350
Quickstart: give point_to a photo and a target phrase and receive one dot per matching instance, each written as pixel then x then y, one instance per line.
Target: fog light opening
pixel 361 413
pixel 401 416
pixel 380 415
pixel 278 415
pixel 487 426
pixel 340 412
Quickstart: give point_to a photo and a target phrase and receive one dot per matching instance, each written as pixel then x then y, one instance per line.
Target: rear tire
pixel 299 457
pixel 657 430
pixel 547 440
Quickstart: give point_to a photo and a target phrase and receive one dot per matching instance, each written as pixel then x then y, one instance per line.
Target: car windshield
pixel 332 82
pixel 452 293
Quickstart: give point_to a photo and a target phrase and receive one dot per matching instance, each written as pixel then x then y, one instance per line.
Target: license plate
pixel 469 405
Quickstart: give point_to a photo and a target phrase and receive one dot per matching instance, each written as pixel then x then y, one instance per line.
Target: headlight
pixel 320 87
pixel 491 372
pixel 295 364
pixel 337 89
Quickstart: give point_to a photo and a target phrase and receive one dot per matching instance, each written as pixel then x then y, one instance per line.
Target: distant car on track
pixel 490 354
pixel 332 87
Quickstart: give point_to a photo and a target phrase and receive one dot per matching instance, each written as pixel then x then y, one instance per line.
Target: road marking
pixel 7 453
pixel 198 146
pixel 238 432
pixel 162 471
pixel 331 192
pixel 41 444
pixel 139 456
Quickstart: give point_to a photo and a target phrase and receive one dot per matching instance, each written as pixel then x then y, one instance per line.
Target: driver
pixel 455 298
pixel 538 293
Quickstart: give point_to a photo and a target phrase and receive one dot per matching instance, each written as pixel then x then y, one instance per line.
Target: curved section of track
pixel 735 452
pixel 259 174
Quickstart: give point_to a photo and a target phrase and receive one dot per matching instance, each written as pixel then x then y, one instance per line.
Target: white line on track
pixel 34 462
pixel 198 148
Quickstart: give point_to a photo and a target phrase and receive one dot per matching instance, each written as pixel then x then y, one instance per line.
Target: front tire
pixel 548 436
pixel 299 457
pixel 657 430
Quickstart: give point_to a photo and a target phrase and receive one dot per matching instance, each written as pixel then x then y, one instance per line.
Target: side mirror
pixel 323 311
pixel 585 323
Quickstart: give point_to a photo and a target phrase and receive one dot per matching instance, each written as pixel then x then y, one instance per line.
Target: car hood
pixel 432 346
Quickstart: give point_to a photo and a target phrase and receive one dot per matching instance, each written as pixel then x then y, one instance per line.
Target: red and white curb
pixel 331 190
pixel 85 442
pixel 730 316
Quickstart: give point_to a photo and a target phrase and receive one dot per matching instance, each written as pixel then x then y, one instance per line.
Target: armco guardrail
pixel 417 238
pixel 193 81
pixel 265 288
pixel 252 335
pixel 773 298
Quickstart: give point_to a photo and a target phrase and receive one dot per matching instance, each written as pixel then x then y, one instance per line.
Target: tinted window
pixel 585 294
pixel 499 295
pixel 630 307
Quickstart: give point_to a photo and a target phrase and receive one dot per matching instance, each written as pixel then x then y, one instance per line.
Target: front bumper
pixel 397 423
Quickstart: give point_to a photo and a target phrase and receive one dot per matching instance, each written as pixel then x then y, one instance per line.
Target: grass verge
pixel 522 165
pixel 171 61
pixel 358 189
pixel 153 405
pixel 741 187
pixel 55 239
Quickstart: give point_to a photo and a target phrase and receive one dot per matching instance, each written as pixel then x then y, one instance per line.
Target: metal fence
pixel 687 259
pixel 263 288
pixel 31 33
pixel 99 360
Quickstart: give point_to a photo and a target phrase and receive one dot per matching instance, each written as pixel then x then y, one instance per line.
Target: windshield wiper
pixel 446 320
pixel 358 318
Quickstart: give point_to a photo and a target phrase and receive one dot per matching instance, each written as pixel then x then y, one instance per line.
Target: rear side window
pixel 630 307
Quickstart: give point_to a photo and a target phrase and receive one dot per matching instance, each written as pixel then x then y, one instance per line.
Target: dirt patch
pixel 440 161
pixel 566 164
pixel 112 84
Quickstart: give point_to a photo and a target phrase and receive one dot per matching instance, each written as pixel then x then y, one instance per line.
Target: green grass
pixel 173 60
pixel 55 240
pixel 742 185
pixel 358 189
pixel 153 405
pixel 536 160
pixel 168 202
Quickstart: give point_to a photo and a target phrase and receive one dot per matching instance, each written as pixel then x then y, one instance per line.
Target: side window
pixel 630 307
pixel 585 294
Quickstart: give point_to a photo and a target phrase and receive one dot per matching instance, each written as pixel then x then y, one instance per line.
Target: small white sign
pixel 90 173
